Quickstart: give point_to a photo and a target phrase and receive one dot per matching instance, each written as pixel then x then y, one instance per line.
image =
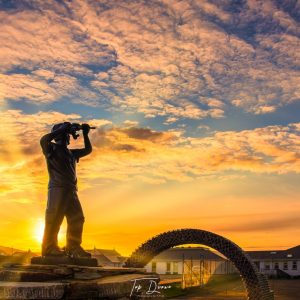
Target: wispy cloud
pixel 268 224
pixel 141 154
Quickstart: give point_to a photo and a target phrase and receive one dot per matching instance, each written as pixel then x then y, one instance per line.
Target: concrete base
pixel 73 282
pixel 64 260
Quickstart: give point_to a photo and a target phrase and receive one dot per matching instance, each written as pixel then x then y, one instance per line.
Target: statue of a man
pixel 62 189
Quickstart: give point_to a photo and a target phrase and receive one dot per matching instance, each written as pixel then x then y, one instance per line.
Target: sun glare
pixel 39 232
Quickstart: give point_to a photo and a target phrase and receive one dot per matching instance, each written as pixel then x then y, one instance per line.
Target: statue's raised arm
pixel 78 153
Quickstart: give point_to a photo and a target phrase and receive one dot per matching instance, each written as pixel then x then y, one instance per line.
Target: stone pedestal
pixel 32 290
pixel 64 260
pixel 72 282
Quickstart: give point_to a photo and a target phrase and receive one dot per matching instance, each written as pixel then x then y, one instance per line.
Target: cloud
pixel 100 123
pixel 34 88
pixel 44 56
pixel 48 40
pixel 129 123
pixel 148 134
pixel 273 223
pixel 179 59
pixel 126 147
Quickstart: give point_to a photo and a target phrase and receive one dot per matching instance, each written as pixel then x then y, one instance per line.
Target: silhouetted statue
pixel 62 189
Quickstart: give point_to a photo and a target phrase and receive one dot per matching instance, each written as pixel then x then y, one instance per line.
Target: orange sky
pixel 196 105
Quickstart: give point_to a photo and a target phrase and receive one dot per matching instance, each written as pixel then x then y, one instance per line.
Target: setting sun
pixel 39 232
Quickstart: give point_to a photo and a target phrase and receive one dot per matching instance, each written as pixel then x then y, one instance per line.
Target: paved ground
pixel 228 297
pixel 283 290
pixel 286 289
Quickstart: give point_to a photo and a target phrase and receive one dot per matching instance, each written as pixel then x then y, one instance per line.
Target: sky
pixel 196 105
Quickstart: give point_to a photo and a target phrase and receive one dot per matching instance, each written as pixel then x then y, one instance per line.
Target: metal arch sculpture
pixel 256 284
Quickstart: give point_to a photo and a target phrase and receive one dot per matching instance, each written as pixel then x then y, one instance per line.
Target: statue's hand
pixel 75 127
pixel 67 126
pixel 85 128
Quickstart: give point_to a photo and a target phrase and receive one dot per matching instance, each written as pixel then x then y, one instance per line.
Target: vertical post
pixel 182 273
pixel 191 277
pixel 200 270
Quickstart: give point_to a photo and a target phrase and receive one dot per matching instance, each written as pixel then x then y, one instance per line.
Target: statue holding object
pixel 63 200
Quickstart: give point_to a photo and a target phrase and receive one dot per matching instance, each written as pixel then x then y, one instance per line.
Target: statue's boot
pixel 55 251
pixel 77 252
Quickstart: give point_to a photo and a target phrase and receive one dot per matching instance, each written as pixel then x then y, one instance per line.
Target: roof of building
pixel 291 253
pixel 110 254
pixel 195 253
pixel 294 250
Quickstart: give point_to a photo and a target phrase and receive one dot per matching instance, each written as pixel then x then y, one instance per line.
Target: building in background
pixel 203 261
pixel 199 259
pixel 108 257
pixel 191 266
pixel 279 263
